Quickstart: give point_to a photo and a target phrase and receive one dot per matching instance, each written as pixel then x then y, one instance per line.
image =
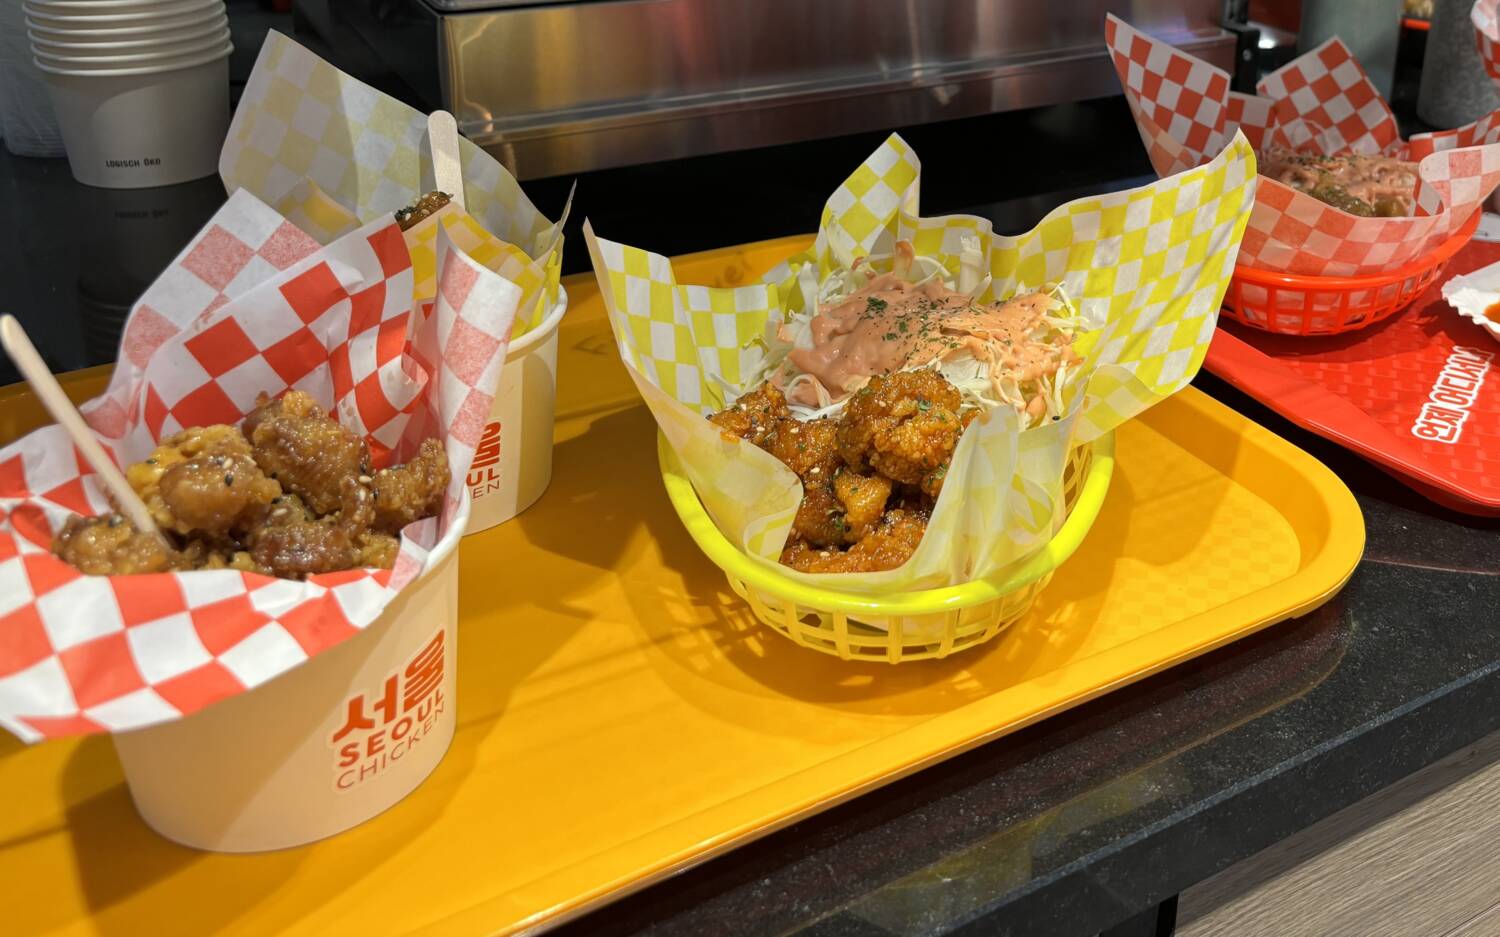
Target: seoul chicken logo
pixel 378 732
pixel 484 471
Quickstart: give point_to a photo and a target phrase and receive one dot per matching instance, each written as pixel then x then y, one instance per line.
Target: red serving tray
pixel 1365 390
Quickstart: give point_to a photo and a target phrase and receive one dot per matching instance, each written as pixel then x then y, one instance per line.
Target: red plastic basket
pixel 1292 304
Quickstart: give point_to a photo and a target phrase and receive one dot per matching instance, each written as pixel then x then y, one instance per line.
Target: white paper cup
pixel 513 462
pixel 65 31
pixel 127 53
pixel 137 24
pixel 130 128
pixel 88 8
pixel 123 17
pixel 108 66
pixel 280 766
pixel 135 64
pixel 209 32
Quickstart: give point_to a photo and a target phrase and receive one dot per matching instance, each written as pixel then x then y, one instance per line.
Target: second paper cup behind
pixel 513 463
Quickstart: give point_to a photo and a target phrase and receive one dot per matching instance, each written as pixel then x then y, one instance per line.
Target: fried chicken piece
pixel 410 492
pixel 309 453
pixel 219 509
pixel 418 211
pixel 890 544
pixel 357 503
pixel 377 550
pixel 806 558
pixel 199 554
pixel 214 495
pixel 754 415
pixel 820 518
pixel 108 545
pixel 919 450
pixel 296 509
pixel 904 425
pixel 893 541
pixel 810 449
pixel 202 479
pixel 863 499
pixel 218 439
pixel 293 545
pixel 297 550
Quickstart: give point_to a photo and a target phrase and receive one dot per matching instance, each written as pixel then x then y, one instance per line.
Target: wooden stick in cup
pixel 45 386
pixel 447 167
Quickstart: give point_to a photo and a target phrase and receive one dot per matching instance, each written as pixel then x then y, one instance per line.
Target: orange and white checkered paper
pixel 252 305
pixel 1322 102
pixel 1485 15
pixel 1147 268
pixel 330 153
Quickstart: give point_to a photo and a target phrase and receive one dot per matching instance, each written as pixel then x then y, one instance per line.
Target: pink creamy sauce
pixel 891 324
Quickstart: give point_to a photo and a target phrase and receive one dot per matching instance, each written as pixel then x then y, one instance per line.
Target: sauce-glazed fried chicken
pixel 888 545
pixel 820 518
pixel 420 210
pixel 293 499
pixel 754 415
pixel 412 491
pixel 810 449
pixel 905 426
pixel 897 432
pixel 108 544
pixel 203 480
pixel 296 443
pixel 292 543
pixel 863 499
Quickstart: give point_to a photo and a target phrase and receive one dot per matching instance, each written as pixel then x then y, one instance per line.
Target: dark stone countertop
pixel 1070 826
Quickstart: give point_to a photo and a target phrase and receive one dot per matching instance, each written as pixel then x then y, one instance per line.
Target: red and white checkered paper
pixel 252 305
pixel 1321 102
pixel 1485 15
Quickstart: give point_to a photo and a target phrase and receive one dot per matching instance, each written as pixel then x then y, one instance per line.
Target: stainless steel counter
pixel 568 87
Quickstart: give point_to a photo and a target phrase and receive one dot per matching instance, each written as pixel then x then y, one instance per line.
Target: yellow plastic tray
pixel 622 715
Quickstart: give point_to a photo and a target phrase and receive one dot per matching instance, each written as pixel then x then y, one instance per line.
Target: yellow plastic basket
pixel 904 626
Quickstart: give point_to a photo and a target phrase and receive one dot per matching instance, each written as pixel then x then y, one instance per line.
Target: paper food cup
pixel 1474 295
pixel 117 18
pixel 129 52
pixel 197 25
pixel 319 749
pixel 90 9
pixel 137 63
pixel 513 463
pixel 147 125
pixel 55 30
pixel 140 23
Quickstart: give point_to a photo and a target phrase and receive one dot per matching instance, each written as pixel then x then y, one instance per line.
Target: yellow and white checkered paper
pixel 1146 268
pixel 331 153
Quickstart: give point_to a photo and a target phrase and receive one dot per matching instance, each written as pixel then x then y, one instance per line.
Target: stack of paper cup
pixel 140 87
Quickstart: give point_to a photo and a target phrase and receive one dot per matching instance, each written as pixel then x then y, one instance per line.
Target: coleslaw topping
pixel 1017 352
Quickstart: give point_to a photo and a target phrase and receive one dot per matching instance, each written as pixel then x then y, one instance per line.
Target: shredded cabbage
pixel 980 385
